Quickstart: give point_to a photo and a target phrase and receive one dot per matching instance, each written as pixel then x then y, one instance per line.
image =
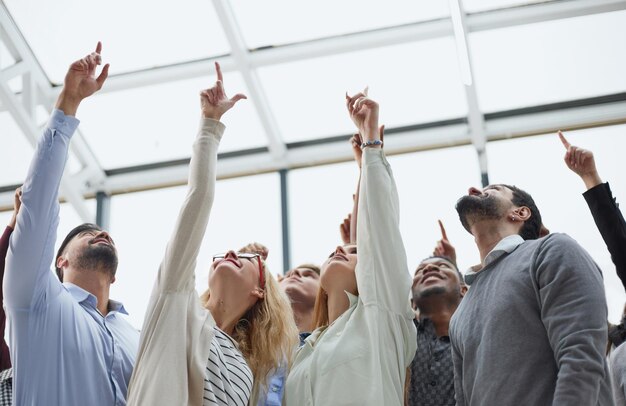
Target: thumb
pixel 238 97
pixel 103 76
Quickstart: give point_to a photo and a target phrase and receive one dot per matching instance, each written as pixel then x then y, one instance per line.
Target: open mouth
pixel 100 241
pixel 339 257
pixel 431 276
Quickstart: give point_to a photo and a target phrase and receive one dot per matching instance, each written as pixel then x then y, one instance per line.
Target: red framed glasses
pixel 249 256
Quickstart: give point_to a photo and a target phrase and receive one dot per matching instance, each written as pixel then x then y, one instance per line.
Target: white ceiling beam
pixel 488 20
pixel 502 126
pixel 241 56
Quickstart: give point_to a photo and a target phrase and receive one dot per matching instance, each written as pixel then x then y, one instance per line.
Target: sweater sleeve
pixel 31 251
pixel 5 358
pixel 573 311
pixel 382 272
pixel 177 270
pixel 610 223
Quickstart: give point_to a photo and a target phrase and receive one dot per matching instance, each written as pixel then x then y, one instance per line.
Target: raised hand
pixel 17 203
pixel 81 81
pixel 214 102
pixel 344 229
pixel 581 162
pixel 356 140
pixel 364 113
pixel 443 247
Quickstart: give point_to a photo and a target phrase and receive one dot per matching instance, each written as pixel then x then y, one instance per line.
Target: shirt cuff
pixel 596 192
pixel 214 127
pixel 372 156
pixel 63 123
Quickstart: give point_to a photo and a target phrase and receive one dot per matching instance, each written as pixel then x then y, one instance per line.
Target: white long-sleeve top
pixel 361 358
pixel 177 331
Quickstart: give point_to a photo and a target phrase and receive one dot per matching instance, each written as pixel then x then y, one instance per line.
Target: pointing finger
pixel 99 47
pixel 566 144
pixel 218 69
pixel 443 230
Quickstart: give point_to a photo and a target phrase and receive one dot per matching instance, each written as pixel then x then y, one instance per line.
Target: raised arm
pixel 5 358
pixel 382 273
pixel 32 245
pixel 177 269
pixel 604 209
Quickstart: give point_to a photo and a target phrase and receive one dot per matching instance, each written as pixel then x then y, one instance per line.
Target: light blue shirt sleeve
pixel 31 250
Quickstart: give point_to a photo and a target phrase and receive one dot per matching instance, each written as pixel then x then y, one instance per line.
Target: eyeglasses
pixel 249 256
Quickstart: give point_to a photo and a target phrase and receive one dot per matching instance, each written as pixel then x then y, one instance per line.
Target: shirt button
pixel 433 383
pixel 274 389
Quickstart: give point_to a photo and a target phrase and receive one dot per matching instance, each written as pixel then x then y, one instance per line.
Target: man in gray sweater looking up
pixel 532 328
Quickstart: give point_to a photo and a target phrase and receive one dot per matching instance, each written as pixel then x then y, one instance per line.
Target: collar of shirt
pixel 80 295
pixel 505 246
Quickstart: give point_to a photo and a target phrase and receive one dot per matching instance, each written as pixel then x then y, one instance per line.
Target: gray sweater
pixel 532 330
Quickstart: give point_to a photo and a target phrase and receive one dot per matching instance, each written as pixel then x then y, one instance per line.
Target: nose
pixel 430 268
pixel 296 272
pixel 105 235
pixel 474 192
pixel 231 254
pixel 340 250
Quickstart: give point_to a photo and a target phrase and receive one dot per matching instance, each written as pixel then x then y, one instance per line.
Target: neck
pixel 97 283
pixel 487 234
pixel 338 303
pixel 439 312
pixel 303 318
pixel 225 312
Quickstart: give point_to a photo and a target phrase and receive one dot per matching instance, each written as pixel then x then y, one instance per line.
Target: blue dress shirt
pixel 64 351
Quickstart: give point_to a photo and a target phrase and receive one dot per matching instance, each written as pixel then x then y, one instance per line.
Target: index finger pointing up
pixel 566 144
pixel 443 230
pixel 99 47
pixel 218 69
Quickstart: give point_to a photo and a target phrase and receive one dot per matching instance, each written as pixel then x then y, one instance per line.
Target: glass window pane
pixel 157 123
pixel 550 61
pixel 557 191
pixel 15 154
pixel 414 83
pixel 245 210
pixel 285 21
pixel 135 34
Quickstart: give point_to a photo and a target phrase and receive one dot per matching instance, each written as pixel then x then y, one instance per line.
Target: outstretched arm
pixel 177 269
pixel 32 245
pixel 382 272
pixel 5 358
pixel 604 209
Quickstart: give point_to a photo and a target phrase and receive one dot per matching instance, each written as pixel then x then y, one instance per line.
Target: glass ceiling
pixel 416 80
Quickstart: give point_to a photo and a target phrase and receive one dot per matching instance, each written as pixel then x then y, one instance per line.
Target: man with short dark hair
pixel 532 328
pixel 69 344
pixel 437 290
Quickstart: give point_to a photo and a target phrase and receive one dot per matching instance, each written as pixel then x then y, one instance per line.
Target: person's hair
pixel 320 311
pixel 312 267
pixel 69 237
pixel 266 334
pixel 531 229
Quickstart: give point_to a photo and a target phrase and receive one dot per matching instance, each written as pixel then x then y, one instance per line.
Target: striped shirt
pixel 228 379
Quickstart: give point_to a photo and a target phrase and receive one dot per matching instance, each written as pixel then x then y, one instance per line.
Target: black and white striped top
pixel 228 379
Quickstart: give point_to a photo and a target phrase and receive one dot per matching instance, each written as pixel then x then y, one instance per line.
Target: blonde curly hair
pixel 266 334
